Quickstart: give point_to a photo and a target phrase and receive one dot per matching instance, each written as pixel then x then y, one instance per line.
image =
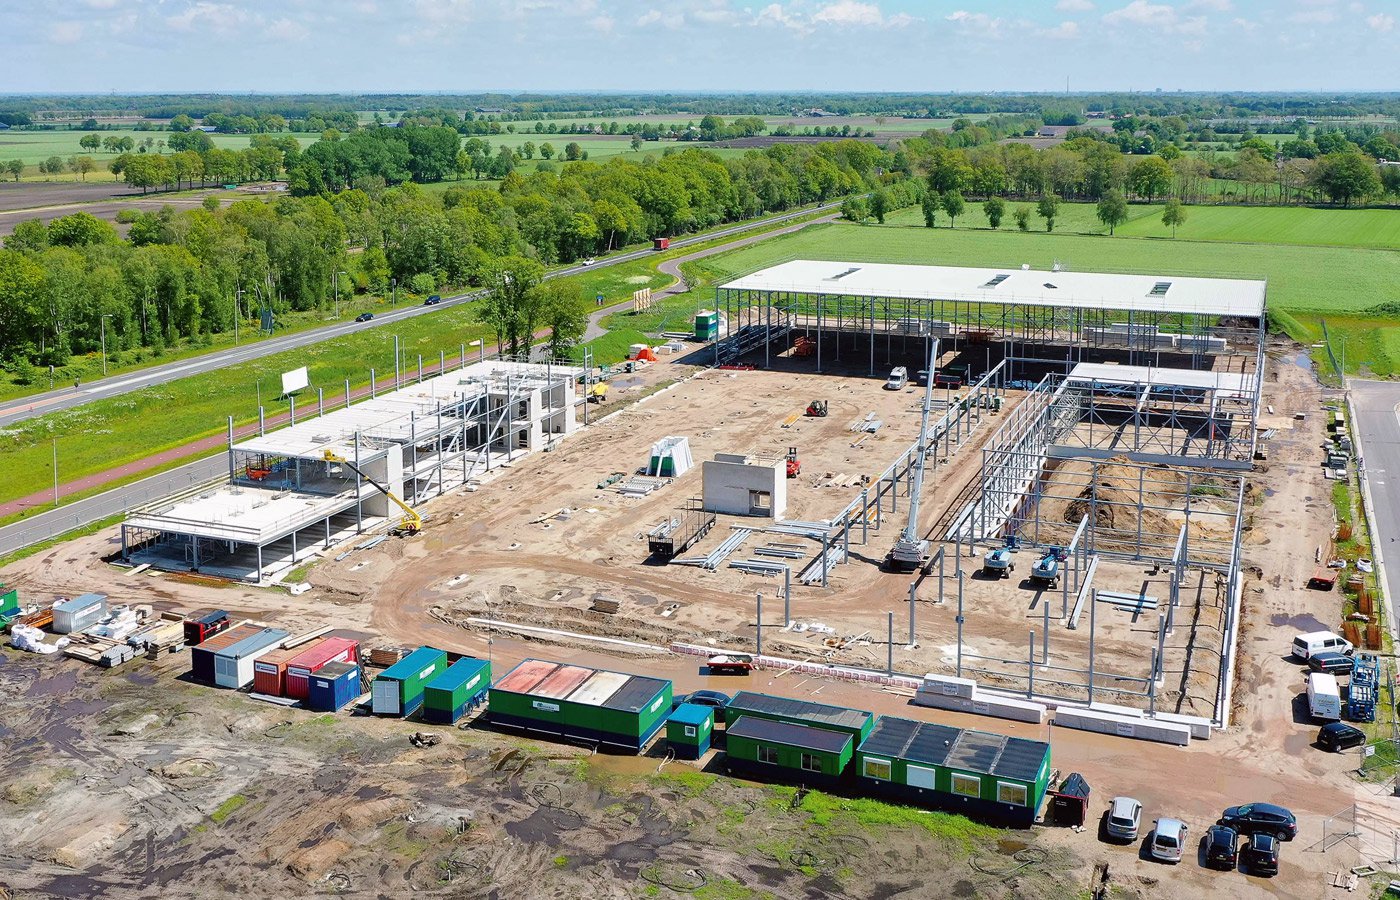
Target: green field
pixel 1372 228
pixel 34 146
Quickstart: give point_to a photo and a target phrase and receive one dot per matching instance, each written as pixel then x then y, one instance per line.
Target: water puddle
pixel 1304 623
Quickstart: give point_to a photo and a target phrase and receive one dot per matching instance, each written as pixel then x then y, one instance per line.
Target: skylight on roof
pixel 1160 289
pixel 840 275
pixel 996 280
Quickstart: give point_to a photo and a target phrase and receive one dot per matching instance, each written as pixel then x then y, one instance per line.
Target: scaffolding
pixel 283 499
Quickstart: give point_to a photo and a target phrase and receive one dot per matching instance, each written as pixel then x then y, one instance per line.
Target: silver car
pixel 1124 818
pixel 1168 840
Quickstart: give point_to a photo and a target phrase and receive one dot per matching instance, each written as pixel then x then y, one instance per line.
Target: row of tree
pixel 180 276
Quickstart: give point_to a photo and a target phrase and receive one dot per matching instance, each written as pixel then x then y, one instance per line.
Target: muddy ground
pixel 77 823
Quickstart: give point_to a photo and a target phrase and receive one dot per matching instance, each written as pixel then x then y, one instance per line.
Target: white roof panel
pixel 1223 383
pixel 1013 286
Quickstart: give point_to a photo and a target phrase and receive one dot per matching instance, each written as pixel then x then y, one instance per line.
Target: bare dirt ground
pixel 29 194
pixel 103 209
pixel 348 800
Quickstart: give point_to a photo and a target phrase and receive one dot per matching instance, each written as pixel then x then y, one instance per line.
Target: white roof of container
pixel 1223 383
pixel 80 602
pixel 1013 286
pixel 598 688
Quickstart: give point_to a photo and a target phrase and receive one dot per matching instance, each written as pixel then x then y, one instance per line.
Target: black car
pixel 364 317
pixel 717 700
pixel 434 300
pixel 1261 818
pixel 1331 663
pixel 1259 855
pixel 1221 852
pixel 1339 736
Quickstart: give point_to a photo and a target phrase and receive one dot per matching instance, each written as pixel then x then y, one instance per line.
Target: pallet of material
pixel 41 619
pixel 101 651
pixel 606 605
pixel 384 657
pixel 164 635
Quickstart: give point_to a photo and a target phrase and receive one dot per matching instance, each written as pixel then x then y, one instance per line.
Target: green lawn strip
pixel 228 808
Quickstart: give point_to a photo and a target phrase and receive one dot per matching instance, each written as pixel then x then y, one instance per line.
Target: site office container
pixel 991 777
pixel 270 671
pixel 612 709
pixel 398 691
pixel 79 613
pixel 782 751
pixel 233 665
pixel 202 656
pixel 855 722
pixel 309 660
pixel 334 687
pixel 690 729
pixel 448 697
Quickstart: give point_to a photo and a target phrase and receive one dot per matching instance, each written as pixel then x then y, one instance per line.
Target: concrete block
pixel 949 686
pixel 984 705
pixel 1123 726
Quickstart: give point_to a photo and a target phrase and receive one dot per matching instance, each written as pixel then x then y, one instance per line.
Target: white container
pixel 233 665
pixel 79 613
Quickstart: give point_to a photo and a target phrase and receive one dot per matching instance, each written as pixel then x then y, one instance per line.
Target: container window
pixel 811 763
pixel 1011 793
pixel 967 785
pixel 877 768
pixel 768 755
pixel 690 731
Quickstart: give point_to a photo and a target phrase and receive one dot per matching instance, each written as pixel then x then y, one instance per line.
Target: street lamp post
pixel 394 287
pixel 103 322
pixel 337 291
pixel 236 314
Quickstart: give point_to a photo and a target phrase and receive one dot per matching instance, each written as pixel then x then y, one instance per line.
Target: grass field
pixel 1373 228
pixel 35 146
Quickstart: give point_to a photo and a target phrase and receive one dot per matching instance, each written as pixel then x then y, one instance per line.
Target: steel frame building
pixel 283 499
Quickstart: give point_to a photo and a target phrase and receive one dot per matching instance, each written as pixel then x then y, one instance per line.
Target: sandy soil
pixel 334 801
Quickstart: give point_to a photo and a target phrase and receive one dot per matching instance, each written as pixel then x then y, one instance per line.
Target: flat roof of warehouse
pixel 1156 376
pixel 1013 286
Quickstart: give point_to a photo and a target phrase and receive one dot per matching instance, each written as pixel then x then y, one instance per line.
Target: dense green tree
pixel 1151 177
pixel 995 209
pixel 1112 209
pixel 1048 208
pixel 15 167
pixel 572 151
pixel 930 205
pixel 1346 176
pixel 1023 218
pixel 565 314
pixel 855 209
pixel 879 204
pixel 1174 215
pixel 953 205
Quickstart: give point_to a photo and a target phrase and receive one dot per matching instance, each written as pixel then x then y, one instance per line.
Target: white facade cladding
pixel 286 497
pixel 739 485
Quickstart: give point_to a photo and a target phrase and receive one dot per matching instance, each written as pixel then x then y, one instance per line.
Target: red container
pixel 310 661
pixel 661 244
pixel 270 671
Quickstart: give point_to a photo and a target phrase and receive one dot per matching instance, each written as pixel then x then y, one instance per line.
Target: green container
pixel 398 691
pixel 574 701
pixel 706 325
pixel 855 722
pixel 447 697
pixel 690 729
pixel 798 752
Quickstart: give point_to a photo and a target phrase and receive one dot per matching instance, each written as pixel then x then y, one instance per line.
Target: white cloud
pixel 1074 5
pixel 849 12
pixel 66 32
pixel 1212 5
pixel 366 7
pixel 1245 25
pixel 602 23
pixel 287 30
pixel 101 4
pixel 221 18
pixel 979 22
pixel 1382 22
pixel 1064 31
pixel 1157 17
pixel 1313 17
pixel 777 14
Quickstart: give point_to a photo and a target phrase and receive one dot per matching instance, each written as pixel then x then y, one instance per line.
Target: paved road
pixel 1377 428
pixel 66 398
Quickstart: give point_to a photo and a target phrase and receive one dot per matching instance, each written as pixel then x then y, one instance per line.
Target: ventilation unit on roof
pixel 996 280
pixel 841 275
pixel 1160 289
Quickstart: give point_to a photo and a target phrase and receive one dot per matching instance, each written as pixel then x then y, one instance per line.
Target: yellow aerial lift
pixel 410 524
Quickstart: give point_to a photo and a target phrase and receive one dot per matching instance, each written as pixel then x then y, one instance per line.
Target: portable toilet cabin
pixel 448 696
pixel 398 691
pixel 233 665
pixel 334 687
pixel 689 729
pixel 79 613
pixel 310 660
pixel 706 325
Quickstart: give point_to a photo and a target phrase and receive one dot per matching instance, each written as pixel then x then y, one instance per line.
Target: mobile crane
pixel 410 524
pixel 911 551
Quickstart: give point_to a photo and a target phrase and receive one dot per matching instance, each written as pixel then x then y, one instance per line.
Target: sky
pixel 316 46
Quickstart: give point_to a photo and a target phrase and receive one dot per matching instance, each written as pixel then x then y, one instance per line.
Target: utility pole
pixel 55 471
pixel 236 314
pixel 103 321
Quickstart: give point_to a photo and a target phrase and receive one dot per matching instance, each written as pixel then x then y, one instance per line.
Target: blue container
pixel 334 687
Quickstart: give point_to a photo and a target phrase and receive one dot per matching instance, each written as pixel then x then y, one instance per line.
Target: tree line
pixel 183 276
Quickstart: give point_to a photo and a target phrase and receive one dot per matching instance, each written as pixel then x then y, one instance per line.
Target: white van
pixel 1324 696
pixel 1305 645
pixel 899 377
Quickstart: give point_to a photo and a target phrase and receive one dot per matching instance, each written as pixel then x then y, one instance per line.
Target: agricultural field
pixel 35 146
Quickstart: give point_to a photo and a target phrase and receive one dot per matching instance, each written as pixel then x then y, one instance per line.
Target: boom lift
pixel 911 551
pixel 410 524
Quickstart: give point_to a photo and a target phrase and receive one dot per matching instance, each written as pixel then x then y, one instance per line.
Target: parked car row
pixel 1262 826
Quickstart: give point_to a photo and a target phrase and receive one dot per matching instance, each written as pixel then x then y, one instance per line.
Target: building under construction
pixel 295 491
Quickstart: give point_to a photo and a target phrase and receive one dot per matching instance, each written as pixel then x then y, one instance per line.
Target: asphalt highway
pixel 1377 427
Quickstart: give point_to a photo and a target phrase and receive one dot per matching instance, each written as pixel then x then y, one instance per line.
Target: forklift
pixel 794 465
pixel 410 524
pixel 817 409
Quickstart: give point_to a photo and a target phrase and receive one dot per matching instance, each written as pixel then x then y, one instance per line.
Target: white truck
pixel 1324 696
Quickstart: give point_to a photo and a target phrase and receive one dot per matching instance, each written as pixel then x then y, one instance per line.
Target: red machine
pixel 794 465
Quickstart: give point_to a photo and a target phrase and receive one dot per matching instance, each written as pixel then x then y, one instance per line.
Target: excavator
pixel 410 524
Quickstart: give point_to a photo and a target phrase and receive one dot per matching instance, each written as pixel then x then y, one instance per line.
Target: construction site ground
pixel 215 790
